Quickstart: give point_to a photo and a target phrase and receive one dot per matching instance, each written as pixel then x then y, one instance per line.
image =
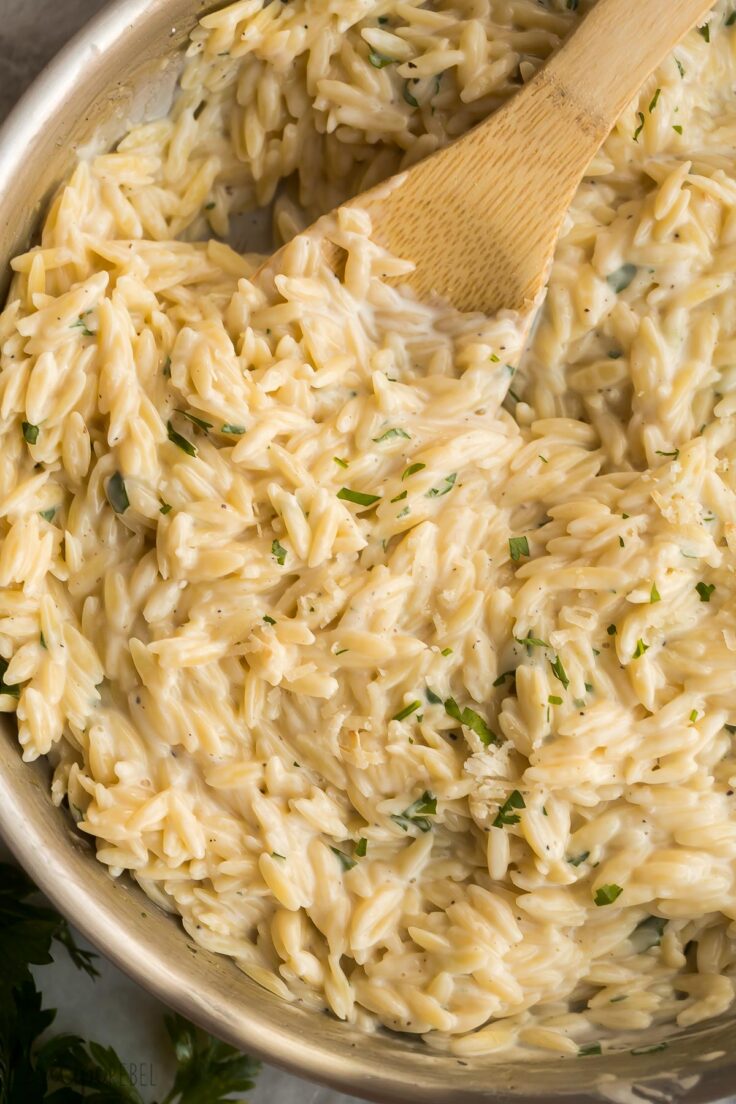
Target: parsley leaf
pixel 417 813
pixel 471 720
pixel 358 497
pixel 407 711
pixel 179 441
pixel 30 433
pixel 559 672
pixel 200 423
pixel 361 847
pixel 607 894
pixel 505 814
pixel 444 488
pixel 279 552
pixel 345 861
pixel 705 590
pixel 576 860
pixel 390 433
pixel 654 595
pixel 518 547
pixel 641 648
pixel 116 493
pixel 622 277
pixel 208 1071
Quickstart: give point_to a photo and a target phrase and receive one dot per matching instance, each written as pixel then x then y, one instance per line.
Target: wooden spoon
pixel 481 217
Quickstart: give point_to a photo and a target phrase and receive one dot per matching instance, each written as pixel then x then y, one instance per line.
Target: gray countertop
pixel 111 1010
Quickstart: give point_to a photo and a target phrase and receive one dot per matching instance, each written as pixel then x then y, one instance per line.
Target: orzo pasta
pixel 411 692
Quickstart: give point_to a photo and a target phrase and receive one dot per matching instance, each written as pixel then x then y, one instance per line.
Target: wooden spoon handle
pixel 605 61
pixel 481 217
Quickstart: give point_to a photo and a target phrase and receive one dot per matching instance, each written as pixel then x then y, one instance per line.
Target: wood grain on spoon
pixel 481 217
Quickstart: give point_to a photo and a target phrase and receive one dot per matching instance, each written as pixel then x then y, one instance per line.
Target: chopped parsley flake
pixel 345 861
pixel 116 493
pixel 471 720
pixel 167 368
pixel 80 324
pixel 611 630
pixel 444 488
pixel 505 814
pixel 5 688
pixel 435 699
pixel 166 508
pixel 233 430
pixel 554 699
pixel 502 678
pixel 358 497
pixel 379 61
pixel 407 711
pixel 639 129
pixel 705 590
pixel 180 442
pixel 417 813
pixel 279 552
pixel 30 433
pixel 622 277
pixel 654 595
pixel 446 651
pixel 694 715
pixel 268 620
pixel 412 470
pixel 411 100
pixel 277 855
pixel 672 455
pixel 400 497
pixel 576 860
pixel 680 66
pixel 48 515
pixel 641 648
pixel 200 423
pixel 391 433
pixel 607 894
pixel 677 128
pixel 559 672
pixel 586 1051
pixel 361 847
pixel 340 462
pixel 654 100
pixel 704 32
pixel 532 642
pixel 731 19
pixel 518 547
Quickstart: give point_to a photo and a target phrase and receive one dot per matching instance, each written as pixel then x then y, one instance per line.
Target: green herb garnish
pixel 705 590
pixel 278 552
pixel 591 1048
pixel 180 442
pixel 417 813
pixel 116 493
pixel 233 430
pixel 607 894
pixel 471 720
pixel 576 860
pixel 30 432
pixel 200 423
pixel 358 497
pixel 391 433
pixel 412 470
pixel 559 672
pixel 166 508
pixel 518 547
pixel 654 100
pixel 641 648
pixel 361 847
pixel 505 814
pixel 345 861
pixel 379 61
pixel 407 711
pixel 444 488
pixel 340 462
pixel 411 100
pixel 622 277
pixel 637 132
pixel 654 595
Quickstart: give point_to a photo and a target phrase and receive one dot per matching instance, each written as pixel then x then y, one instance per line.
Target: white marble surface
pixel 112 1009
